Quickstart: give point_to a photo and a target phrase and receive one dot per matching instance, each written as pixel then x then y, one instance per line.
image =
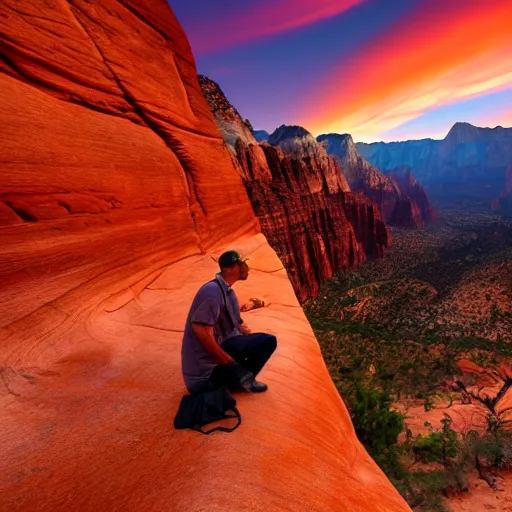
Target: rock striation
pixel 470 162
pixel 116 192
pixel 97 156
pixel 301 198
pixel 401 198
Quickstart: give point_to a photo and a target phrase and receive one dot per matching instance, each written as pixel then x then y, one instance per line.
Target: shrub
pixel 438 446
pixel 377 427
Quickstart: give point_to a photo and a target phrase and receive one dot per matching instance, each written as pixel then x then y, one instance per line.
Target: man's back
pixel 208 308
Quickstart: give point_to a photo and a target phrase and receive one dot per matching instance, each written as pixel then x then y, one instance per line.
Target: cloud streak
pixel 440 53
pixel 261 20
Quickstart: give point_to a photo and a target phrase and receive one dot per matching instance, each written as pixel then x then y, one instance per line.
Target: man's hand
pixel 205 335
pixel 244 329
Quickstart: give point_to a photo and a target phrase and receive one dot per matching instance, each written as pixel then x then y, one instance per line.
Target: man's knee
pixel 270 343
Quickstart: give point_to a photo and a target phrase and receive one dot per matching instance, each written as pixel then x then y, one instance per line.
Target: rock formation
pixel 470 162
pixel 302 199
pixel 116 191
pixel 503 204
pixel 402 200
pixel 413 205
pixel 261 135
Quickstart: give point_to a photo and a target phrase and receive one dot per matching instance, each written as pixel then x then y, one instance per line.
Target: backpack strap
pixel 225 303
pixel 223 429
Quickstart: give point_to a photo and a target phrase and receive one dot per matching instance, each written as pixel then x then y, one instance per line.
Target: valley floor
pixel 442 295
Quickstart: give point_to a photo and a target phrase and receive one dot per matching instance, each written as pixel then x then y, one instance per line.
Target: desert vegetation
pixel 418 344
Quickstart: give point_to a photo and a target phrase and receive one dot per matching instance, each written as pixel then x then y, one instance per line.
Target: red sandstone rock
pixel 125 171
pixel 108 218
pixel 469 367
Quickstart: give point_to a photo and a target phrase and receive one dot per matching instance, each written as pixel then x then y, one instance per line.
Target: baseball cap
pixel 230 258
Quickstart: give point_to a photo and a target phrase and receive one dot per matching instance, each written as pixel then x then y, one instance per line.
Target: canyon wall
pixel 469 163
pixel 413 206
pixel 102 171
pixel 301 197
pixel 117 193
pixel 403 203
pixel 503 203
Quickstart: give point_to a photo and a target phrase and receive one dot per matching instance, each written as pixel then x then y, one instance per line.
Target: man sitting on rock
pixel 218 348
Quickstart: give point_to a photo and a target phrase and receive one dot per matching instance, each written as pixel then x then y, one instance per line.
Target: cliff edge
pixel 116 192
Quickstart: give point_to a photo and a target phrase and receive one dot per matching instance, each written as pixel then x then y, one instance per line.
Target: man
pixel 218 348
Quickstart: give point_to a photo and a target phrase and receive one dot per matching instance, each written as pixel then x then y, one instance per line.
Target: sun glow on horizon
pixel 401 77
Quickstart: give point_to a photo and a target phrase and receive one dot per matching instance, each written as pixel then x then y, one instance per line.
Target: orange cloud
pixel 264 19
pixel 441 53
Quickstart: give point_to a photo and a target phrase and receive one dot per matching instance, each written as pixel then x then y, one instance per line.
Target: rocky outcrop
pixel 302 200
pixel 470 162
pixel 229 119
pixel 503 204
pixel 261 135
pixel 413 205
pixel 99 156
pixel 402 200
pixel 116 192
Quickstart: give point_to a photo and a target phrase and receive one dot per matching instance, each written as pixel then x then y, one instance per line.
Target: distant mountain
pixel 260 135
pixel 402 200
pixel 470 162
pixel 413 202
pixel 297 142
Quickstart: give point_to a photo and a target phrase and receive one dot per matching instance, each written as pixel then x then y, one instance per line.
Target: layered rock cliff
pixel 302 199
pixel 403 203
pixel 503 204
pixel 116 191
pixel 413 202
pixel 469 162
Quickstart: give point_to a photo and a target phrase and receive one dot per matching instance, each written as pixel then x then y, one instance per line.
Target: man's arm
pixel 236 372
pixel 244 328
pixel 205 335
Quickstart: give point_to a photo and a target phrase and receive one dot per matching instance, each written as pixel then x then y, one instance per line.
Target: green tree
pixel 377 427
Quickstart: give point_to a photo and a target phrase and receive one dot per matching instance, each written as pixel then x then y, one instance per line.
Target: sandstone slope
pixel 116 190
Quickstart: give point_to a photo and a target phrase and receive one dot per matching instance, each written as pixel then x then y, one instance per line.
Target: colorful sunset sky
pixel 377 69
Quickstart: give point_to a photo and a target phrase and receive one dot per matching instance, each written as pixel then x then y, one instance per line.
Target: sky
pixel 381 70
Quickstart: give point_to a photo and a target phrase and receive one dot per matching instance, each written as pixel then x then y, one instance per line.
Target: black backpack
pixel 199 409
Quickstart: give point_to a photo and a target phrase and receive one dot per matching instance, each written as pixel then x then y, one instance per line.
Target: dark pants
pixel 251 351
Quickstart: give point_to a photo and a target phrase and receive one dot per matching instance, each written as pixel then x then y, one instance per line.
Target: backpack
pixel 199 409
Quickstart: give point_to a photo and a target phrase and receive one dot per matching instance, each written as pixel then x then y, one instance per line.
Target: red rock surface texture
pixel 110 217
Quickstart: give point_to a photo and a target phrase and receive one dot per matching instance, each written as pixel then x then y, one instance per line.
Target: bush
pixel 438 446
pixel 377 427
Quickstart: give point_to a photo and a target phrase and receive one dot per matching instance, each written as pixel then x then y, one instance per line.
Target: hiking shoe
pixel 258 387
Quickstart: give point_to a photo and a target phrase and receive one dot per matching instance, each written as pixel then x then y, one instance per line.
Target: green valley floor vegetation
pixel 391 333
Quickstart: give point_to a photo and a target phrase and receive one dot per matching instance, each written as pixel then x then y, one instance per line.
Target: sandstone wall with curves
pixel 115 192
pixel 108 149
